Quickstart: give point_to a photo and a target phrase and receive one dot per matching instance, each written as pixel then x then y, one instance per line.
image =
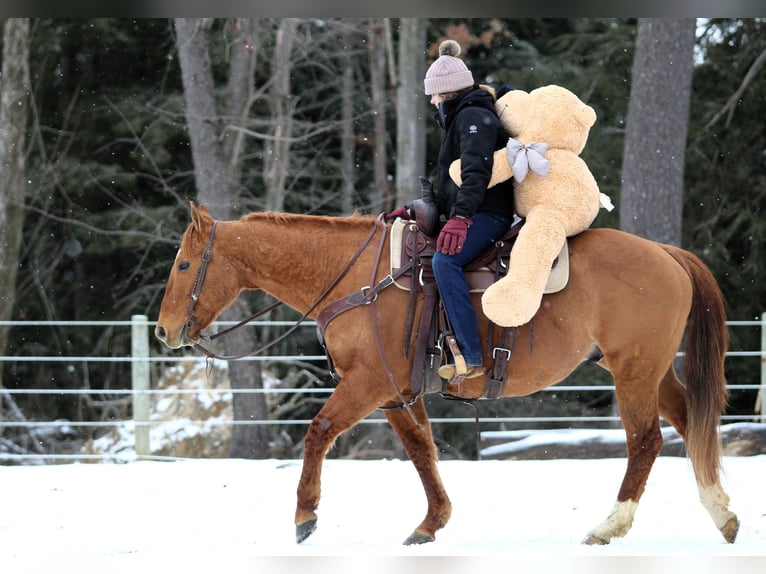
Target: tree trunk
pixel 651 200
pixel 277 152
pixel 210 173
pixel 239 96
pixel 347 135
pixel 218 194
pixel 410 110
pixel 14 107
pixel 380 198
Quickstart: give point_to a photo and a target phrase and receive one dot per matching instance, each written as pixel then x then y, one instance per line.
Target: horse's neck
pixel 295 257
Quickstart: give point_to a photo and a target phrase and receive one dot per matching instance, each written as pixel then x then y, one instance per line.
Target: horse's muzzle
pixel 161 333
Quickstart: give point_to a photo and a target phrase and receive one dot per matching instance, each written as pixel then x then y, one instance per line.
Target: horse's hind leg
pixel 418 442
pixel 713 497
pixel 637 401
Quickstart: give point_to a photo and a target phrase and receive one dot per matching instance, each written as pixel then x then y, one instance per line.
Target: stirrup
pixel 459 367
pixel 458 371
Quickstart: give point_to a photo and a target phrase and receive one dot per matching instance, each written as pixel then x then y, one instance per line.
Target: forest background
pixel 109 127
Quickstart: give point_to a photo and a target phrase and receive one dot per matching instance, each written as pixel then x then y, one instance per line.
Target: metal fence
pixel 141 390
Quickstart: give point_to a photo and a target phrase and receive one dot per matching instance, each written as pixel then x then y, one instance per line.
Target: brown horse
pixel 626 307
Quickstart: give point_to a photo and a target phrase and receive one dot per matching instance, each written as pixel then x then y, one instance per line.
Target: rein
pixel 376 331
pixel 368 297
pixel 207 255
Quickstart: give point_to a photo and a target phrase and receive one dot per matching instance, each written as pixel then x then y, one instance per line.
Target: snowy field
pixel 237 516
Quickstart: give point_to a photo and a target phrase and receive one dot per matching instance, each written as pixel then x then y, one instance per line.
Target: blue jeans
pixel 448 269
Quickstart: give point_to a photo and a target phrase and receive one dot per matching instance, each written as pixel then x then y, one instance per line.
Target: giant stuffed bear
pixel 554 191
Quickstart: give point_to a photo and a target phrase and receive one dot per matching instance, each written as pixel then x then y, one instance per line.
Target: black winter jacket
pixel 472 133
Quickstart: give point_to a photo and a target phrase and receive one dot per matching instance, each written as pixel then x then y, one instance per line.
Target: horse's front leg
pixel 418 442
pixel 341 411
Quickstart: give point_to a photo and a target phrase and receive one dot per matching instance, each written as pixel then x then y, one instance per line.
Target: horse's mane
pixel 282 218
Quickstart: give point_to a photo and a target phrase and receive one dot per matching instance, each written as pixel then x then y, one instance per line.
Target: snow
pixel 521 440
pixel 197 515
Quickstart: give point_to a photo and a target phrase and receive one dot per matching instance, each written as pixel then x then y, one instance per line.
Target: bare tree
pixel 240 93
pixel 380 198
pixel 651 200
pixel 347 137
pixel 218 192
pixel 410 120
pixel 14 108
pixel 277 153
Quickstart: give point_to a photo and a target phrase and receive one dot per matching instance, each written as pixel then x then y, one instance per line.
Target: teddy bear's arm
pixel 501 169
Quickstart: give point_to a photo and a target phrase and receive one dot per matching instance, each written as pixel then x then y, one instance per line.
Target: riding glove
pixel 452 236
pixel 403 212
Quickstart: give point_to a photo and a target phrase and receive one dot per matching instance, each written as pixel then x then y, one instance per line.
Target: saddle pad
pixel 480 279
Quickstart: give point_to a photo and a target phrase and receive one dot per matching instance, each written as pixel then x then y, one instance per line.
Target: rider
pixel 475 216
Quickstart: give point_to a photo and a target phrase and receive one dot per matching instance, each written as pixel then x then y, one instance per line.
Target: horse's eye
pixel 184 265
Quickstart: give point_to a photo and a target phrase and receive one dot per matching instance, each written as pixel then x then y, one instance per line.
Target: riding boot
pixel 458 371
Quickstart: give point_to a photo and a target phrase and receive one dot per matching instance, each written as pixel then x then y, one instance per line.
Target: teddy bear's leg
pixel 515 298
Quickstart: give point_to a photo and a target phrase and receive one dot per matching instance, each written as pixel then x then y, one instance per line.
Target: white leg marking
pixel 617 523
pixel 716 502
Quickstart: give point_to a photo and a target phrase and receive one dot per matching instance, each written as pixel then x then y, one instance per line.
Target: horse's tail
pixel 706 344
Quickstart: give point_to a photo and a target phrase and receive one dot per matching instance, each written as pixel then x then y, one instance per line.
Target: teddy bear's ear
pixel 586 116
pixel 489 89
pixel 504 101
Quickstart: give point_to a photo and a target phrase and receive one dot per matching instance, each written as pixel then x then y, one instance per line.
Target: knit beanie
pixel 448 73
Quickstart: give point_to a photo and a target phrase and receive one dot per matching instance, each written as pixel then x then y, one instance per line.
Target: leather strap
pixel 495 384
pixel 424 333
pixel 198 287
pixel 388 280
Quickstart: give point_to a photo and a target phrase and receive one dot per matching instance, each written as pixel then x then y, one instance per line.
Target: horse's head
pixel 200 285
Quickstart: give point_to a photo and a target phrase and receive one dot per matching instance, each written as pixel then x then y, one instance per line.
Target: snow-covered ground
pixel 237 516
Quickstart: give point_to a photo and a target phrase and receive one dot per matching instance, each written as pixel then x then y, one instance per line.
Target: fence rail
pixel 140 391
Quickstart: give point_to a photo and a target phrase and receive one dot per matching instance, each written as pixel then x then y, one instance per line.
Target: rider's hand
pixel 403 212
pixel 452 235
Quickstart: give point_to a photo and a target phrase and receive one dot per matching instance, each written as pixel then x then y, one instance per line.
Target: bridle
pixel 207 255
pixel 199 280
pixel 366 296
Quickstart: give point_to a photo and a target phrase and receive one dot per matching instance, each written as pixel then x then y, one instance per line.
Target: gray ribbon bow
pixel 522 158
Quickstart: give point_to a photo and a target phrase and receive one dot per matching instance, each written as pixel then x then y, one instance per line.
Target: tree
pixel 651 202
pixel 410 105
pixel 216 191
pixel 277 155
pixel 14 106
pixel 726 195
pixel 379 38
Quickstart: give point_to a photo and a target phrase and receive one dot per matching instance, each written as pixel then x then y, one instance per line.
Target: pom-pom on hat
pixel 448 73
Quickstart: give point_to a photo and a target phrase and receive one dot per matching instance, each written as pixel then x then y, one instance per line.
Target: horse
pixel 628 303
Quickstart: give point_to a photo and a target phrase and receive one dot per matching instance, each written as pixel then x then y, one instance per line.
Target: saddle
pixel 413 244
pixel 409 242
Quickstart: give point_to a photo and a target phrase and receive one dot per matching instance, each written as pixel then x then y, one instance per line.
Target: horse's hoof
pixel 592 540
pixel 730 530
pixel 305 529
pixel 418 538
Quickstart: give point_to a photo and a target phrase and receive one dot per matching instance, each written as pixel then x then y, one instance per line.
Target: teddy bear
pixel 554 191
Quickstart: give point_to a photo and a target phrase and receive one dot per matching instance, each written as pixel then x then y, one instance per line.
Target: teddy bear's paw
pixel 509 305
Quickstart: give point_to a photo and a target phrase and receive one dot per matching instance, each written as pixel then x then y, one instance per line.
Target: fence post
pixel 762 391
pixel 140 380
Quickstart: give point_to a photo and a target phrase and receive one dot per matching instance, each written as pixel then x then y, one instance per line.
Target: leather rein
pixel 207 255
pixel 366 296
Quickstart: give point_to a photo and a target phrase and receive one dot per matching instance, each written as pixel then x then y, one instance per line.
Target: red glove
pixel 403 212
pixel 452 235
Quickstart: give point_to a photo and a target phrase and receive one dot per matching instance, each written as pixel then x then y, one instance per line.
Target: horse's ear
pixel 198 215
